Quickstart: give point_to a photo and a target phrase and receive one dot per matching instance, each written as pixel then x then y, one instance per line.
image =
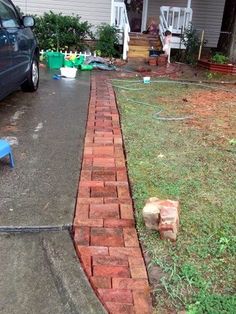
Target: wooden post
pixel 201 44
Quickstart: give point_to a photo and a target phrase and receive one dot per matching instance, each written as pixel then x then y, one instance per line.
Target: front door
pixel 135 11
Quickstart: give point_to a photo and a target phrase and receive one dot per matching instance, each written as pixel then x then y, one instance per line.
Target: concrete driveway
pixel 39 270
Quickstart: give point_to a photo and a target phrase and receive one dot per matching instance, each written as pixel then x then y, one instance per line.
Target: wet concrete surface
pixel 39 271
pixel 40 274
pixel 46 129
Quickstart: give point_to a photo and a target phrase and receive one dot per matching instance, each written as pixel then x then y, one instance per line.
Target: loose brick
pixel 142 302
pixel 82 235
pixel 115 295
pixel 118 223
pixel 118 308
pixel 107 237
pixel 110 260
pixel 101 282
pixel 137 268
pixel 104 210
pixel 130 237
pixel 107 191
pixel 111 271
pixel 126 211
pixel 130 284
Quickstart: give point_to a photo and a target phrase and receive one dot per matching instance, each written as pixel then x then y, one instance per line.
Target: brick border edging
pixel 104 228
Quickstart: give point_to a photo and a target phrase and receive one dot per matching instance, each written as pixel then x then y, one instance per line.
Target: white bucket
pixel 146 79
pixel 68 72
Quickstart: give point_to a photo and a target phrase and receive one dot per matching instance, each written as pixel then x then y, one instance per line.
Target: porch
pixel 131 17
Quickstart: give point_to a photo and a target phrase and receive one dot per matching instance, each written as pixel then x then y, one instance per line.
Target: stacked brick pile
pixel 104 228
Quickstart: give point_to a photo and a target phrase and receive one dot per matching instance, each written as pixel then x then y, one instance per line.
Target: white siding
pixel 207 15
pixel 93 11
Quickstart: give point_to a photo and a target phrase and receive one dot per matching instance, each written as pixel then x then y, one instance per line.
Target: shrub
pixel 108 40
pixel 220 58
pixel 56 31
pixel 192 43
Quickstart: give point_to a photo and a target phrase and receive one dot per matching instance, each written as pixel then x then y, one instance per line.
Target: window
pixel 8 15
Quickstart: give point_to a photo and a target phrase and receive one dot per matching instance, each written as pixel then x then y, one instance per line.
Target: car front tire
pixel 32 81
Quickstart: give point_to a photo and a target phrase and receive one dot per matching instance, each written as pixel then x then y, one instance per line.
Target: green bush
pixel 108 40
pixel 191 41
pixel 220 58
pixel 56 31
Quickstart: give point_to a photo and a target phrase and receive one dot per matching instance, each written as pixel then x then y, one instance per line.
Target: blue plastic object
pixel 5 150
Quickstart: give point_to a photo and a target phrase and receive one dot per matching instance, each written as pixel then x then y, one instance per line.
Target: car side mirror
pixel 28 21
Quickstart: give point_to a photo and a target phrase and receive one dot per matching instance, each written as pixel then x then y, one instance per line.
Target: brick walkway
pixel 104 228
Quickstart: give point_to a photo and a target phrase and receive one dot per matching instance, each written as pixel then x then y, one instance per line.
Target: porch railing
pixel 120 20
pixel 176 20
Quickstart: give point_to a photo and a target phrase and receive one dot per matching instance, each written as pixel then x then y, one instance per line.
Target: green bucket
pixel 55 60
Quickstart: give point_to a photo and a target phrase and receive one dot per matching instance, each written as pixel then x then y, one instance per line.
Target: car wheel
pixel 32 81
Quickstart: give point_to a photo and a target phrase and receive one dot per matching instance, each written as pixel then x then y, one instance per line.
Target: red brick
pixel 122 175
pixel 116 183
pixel 108 150
pixel 111 271
pixel 82 211
pixel 92 250
pixel 123 192
pixel 137 268
pixel 104 210
pixel 84 192
pixel 82 235
pixel 90 200
pixel 118 223
pixel 115 200
pixel 103 175
pixel 130 284
pixel 91 184
pixel 107 237
pixel 118 308
pixel 107 191
pixel 130 237
pixel 88 222
pixel 87 264
pixel 104 162
pixel 124 251
pixel 85 175
pixel 142 302
pixel 100 282
pixel 110 260
pixel 126 211
pixel 115 295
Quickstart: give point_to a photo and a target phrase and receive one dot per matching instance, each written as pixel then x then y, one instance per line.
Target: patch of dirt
pixel 213 110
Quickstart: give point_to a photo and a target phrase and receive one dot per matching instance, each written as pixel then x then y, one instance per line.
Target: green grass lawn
pixel 193 161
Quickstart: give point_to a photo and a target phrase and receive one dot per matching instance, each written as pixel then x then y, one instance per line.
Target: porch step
pixel 140 44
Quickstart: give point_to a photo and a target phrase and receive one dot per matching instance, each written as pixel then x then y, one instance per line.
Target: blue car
pixel 19 51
